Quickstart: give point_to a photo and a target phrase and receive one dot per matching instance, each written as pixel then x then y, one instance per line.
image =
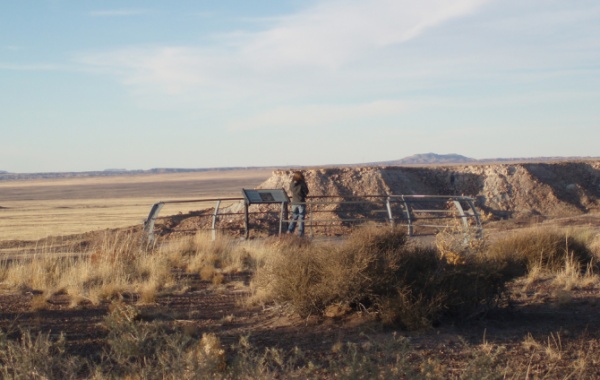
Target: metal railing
pixel 419 214
pixel 326 215
pixel 157 207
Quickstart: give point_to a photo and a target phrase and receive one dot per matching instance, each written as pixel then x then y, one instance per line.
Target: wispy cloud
pixel 172 68
pixel 352 57
pixel 329 35
pixel 335 32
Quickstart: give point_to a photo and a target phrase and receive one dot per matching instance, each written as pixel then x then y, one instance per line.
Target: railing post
pixel 149 222
pixel 214 220
pixel 475 214
pixel 246 220
pixel 308 226
pixel 283 216
pixel 388 205
pixel 462 215
pixel 408 217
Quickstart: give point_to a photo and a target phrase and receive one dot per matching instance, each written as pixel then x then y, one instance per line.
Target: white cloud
pixel 172 68
pixel 328 35
pixel 335 32
pixel 338 52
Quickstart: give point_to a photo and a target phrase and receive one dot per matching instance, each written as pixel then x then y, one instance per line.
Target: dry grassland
pixel 34 209
pixel 375 306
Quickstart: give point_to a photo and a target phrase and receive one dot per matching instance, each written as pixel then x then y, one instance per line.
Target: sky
pixel 94 85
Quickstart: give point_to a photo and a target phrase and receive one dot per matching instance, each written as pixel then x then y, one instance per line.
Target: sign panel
pixel 254 196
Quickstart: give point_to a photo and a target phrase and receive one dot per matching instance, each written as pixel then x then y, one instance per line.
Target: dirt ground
pixel 536 314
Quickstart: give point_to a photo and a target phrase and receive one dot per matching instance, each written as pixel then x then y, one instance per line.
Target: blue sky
pixel 92 85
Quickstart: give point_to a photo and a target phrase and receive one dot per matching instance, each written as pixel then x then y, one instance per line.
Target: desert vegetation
pixel 381 306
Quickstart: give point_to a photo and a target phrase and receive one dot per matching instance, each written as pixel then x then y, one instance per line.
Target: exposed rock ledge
pixel 501 190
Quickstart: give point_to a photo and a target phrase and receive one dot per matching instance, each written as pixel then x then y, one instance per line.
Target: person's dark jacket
pixel 299 191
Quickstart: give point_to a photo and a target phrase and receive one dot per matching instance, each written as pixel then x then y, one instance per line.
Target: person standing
pixel 299 191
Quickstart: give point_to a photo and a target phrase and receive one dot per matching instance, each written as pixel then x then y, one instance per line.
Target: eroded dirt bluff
pixel 501 190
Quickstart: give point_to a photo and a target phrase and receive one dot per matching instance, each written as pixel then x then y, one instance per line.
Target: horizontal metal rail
pixel 150 221
pixel 399 210
pixel 202 200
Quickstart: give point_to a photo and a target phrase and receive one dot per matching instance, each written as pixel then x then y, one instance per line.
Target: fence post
pixel 389 211
pixel 246 220
pixel 214 220
pixel 283 216
pixel 149 223
pixel 408 217
pixel 461 213
pixel 473 211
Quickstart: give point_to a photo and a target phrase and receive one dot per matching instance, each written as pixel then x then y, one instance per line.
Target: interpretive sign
pixel 257 196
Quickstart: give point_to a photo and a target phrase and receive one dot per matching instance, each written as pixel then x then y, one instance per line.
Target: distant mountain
pixel 416 159
pixel 453 158
pixel 430 158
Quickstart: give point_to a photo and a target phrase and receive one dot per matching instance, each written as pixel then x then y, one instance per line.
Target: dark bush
pixel 377 270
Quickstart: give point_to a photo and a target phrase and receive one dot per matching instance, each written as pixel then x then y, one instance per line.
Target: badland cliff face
pixel 501 190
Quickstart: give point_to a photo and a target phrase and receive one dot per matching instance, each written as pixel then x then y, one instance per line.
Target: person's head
pixel 298 176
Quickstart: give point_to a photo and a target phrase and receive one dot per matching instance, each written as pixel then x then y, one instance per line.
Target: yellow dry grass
pixel 121 264
pixel 35 209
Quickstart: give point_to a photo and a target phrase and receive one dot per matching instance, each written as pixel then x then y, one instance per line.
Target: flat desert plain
pixel 35 209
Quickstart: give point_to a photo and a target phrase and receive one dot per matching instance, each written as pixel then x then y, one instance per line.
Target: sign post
pixel 265 196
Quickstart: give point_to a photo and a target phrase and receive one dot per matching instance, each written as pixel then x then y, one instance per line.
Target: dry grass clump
pixel 125 266
pixel 37 357
pixel 42 273
pixel 594 246
pixel 122 263
pixel 563 258
pixel 546 249
pixel 572 276
pixel 377 270
pixel 209 258
pixel 39 302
